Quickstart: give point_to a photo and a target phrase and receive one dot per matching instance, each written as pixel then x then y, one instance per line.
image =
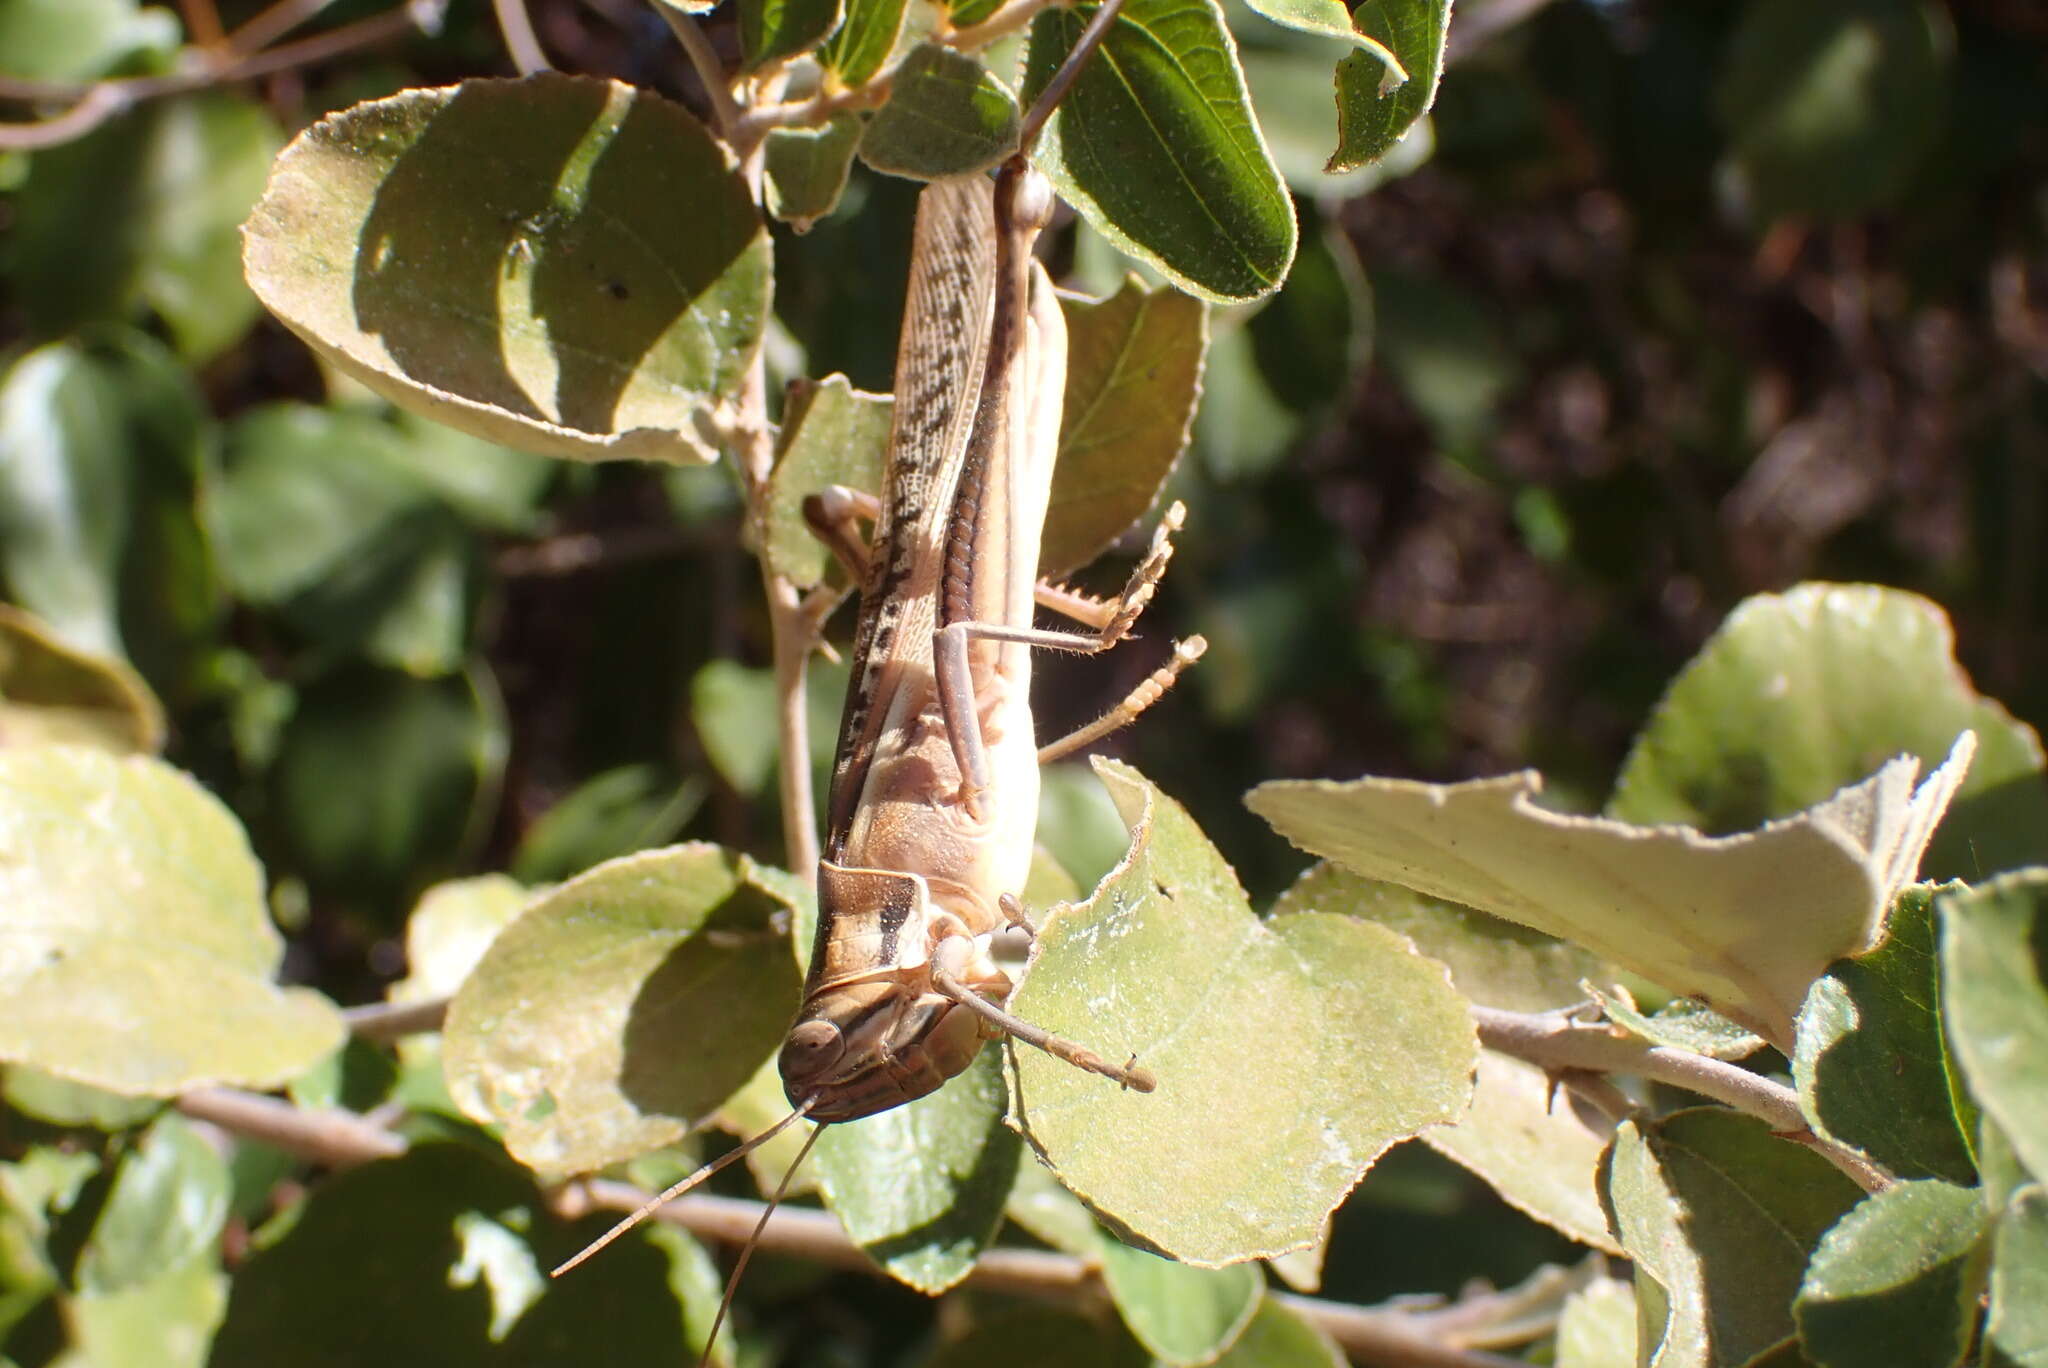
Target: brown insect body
pixel 918 854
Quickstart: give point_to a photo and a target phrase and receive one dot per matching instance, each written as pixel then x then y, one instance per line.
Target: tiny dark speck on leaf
pixel 616 290
pixel 1162 890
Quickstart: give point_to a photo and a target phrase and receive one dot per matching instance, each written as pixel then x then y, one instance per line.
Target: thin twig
pixel 516 26
pixel 269 25
pixel 343 1139
pixel 1380 1337
pixel 711 71
pixel 337 1138
pixel 381 1021
pixel 93 103
pixel 98 105
pixel 1556 1042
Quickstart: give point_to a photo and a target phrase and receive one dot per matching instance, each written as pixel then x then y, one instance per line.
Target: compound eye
pixel 812 1046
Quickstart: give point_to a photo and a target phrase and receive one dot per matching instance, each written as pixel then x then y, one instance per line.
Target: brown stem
pixel 1555 1042
pixel 516 26
pixel 343 1139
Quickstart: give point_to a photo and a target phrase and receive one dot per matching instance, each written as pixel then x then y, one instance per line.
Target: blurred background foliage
pixel 1670 302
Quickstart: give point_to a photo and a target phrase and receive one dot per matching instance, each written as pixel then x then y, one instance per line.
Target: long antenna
pixel 654 1204
pixel 1069 71
pixel 732 1284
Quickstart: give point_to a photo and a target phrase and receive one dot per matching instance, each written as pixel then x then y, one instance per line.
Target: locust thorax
pixel 873 1032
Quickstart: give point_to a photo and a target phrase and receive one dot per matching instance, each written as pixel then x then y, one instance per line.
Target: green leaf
pixel 61 1102
pixel 1330 19
pixel 1290 84
pixel 142 213
pixel 1898 1280
pixel 1720 1217
pixel 99 451
pixel 1078 822
pixel 1134 377
pixel 864 40
pixel 921 1187
pixel 52 694
pixel 1182 1314
pixel 1994 1000
pixel 167 1322
pixel 166 1208
pixel 414 1233
pixel 776 30
pixel 1156 146
pixel 622 1007
pixel 135 913
pixel 381 780
pixel 1530 1144
pixel 734 709
pixel 560 264
pixel 1035 1336
pixel 633 807
pixel 1314 337
pixel 832 434
pixel 2018 1329
pixel 946 116
pixel 1701 916
pixel 324 515
pixel 1038 1203
pixel 1801 692
pixel 1166 962
pixel 806 169
pixel 1280 1337
pixel 449 930
pixel 1833 105
pixel 1681 1024
pixel 1872 1066
pixel 77 40
pixel 1374 108
pixel 1598 1327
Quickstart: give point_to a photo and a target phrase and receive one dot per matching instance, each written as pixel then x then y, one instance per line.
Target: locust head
pixel 872 1033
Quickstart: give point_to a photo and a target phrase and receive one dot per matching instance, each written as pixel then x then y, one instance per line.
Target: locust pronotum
pixel 934 796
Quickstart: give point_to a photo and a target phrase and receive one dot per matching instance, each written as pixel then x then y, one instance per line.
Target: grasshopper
pixel 934 796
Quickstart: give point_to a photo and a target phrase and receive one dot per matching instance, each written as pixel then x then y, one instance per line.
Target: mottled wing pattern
pixel 939 363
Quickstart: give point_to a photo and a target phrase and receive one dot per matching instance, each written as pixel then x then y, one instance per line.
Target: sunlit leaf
pixel 2018 1327
pixel 53 694
pixel 1134 377
pixel 168 1201
pixel 1183 1314
pixel 1994 1001
pixel 1897 1281
pixel 1156 146
pixel 1703 916
pixel 856 52
pixel 921 1187
pixel 560 264
pixel 776 30
pixel 1803 692
pixel 1375 107
pixel 1166 963
pixel 1522 1133
pixel 1720 1217
pixel 135 916
pixel 1872 1064
pixel 805 169
pixel 622 1007
pixel 832 434
pixel 1598 1327
pixel 946 116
